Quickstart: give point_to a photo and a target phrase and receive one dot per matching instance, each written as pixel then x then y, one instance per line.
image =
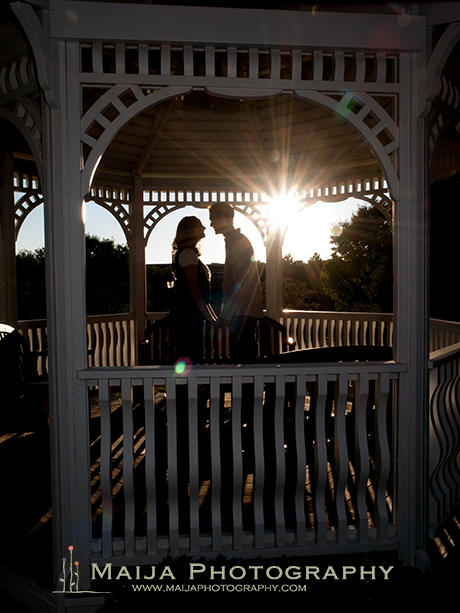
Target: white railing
pixel 443 334
pixel 111 338
pixel 444 435
pixel 291 459
pixel 335 329
pixel 36 332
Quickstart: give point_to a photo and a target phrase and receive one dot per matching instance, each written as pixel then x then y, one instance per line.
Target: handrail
pixel 441 356
pixel 162 371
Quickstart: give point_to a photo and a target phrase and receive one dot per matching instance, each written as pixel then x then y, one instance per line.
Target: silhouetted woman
pixel 192 290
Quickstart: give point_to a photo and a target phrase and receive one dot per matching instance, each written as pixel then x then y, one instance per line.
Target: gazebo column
pixel 66 318
pixel 274 273
pixel 412 321
pixel 8 291
pixel 137 275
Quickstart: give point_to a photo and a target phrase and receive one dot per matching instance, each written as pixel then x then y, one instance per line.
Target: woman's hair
pixel 186 234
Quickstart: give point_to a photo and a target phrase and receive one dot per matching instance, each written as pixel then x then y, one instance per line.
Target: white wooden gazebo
pixel 146 108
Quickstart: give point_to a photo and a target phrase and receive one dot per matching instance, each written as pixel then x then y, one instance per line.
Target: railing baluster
pixel 111 342
pixel 237 446
pixel 150 474
pixel 340 468
pixel 172 466
pixel 299 429
pixel 382 455
pixel 316 332
pixel 128 464
pixel 280 470
pixel 320 460
pixel 106 469
pixel 132 358
pixel 120 343
pixel 454 459
pixel 104 344
pixel 97 345
pixel 361 457
pixel 216 476
pixel 449 428
pixel 259 470
pixel 437 383
pixel 194 465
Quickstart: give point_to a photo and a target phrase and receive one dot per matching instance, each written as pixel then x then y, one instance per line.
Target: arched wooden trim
pixel 158 213
pixel 117 211
pixel 249 210
pixel 44 54
pixel 17 80
pixel 439 123
pixel 23 207
pixel 26 117
pixel 124 115
pixel 382 202
pixel 438 58
pixel 445 114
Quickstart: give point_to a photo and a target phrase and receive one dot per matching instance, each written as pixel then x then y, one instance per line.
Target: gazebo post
pixel 8 292
pixel 274 273
pixel 137 273
pixel 411 319
pixel 66 320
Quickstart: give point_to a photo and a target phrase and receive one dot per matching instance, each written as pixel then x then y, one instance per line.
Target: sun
pixel 283 208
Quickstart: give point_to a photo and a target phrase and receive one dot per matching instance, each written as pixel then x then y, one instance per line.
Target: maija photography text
pixel 201 572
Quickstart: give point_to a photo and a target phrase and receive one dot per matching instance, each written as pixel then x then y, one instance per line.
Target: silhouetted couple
pixel 241 301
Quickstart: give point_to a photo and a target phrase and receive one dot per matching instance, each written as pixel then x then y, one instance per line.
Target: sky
pixel 308 233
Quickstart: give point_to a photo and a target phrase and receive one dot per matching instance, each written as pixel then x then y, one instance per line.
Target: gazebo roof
pixel 201 138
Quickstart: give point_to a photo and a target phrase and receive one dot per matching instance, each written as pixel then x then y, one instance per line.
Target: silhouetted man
pixel 242 299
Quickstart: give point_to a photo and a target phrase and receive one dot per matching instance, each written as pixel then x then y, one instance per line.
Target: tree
pixel 359 276
pixel 107 276
pixel 158 298
pixel 302 288
pixel 298 296
pixel 30 274
pixel 107 279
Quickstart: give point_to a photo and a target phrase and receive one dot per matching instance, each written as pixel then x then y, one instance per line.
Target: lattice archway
pixel 27 203
pixel 114 109
pixel 116 202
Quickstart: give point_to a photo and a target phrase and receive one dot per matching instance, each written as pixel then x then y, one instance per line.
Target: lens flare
pixel 182 366
pixel 336 230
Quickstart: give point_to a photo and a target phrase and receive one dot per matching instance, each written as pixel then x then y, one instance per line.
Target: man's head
pixel 221 216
